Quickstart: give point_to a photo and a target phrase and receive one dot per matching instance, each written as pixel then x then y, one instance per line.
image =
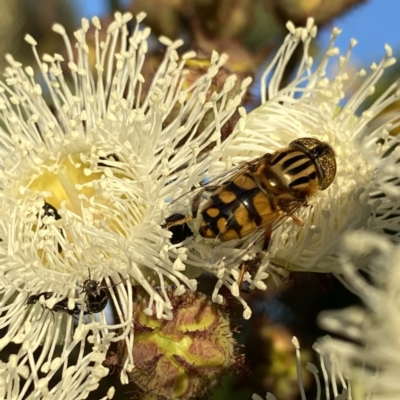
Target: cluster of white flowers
pixel 108 157
pixel 84 186
pixel 370 354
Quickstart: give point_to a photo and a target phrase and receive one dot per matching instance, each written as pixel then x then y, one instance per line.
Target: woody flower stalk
pixel 84 187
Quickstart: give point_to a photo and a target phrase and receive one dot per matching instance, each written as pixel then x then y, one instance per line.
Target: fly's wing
pixel 191 200
pixel 272 219
pixel 261 237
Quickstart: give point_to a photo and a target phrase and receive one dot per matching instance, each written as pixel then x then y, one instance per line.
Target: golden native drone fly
pixel 259 195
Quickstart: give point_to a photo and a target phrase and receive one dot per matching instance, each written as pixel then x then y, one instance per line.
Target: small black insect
pixel 51 211
pixel 96 298
pixel 60 306
pixel 179 232
pixel 110 157
pixel 96 302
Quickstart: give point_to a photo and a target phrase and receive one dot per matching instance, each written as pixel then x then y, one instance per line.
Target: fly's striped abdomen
pixel 295 170
pixel 235 210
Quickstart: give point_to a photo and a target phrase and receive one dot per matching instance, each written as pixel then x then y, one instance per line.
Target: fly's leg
pixel 180 219
pixel 170 222
pixel 41 315
pixel 251 265
pixel 298 221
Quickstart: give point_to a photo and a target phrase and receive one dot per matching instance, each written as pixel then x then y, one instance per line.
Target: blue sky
pixel 373 24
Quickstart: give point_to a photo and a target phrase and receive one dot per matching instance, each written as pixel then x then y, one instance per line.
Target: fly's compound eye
pixel 323 157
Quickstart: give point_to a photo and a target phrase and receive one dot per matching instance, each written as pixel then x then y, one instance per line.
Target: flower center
pixel 93 190
pixel 70 181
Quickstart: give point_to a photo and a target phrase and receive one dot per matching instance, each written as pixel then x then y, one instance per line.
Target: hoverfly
pixel 257 196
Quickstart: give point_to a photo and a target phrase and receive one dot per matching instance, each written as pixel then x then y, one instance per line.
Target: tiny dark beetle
pixel 179 232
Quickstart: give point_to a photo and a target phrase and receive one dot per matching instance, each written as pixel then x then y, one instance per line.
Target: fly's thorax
pixel 291 171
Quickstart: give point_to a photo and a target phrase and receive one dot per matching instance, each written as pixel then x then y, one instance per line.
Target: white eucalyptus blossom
pixel 84 188
pixel 366 190
pixel 369 354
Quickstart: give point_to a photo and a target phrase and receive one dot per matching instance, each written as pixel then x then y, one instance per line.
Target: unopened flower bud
pixel 182 358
